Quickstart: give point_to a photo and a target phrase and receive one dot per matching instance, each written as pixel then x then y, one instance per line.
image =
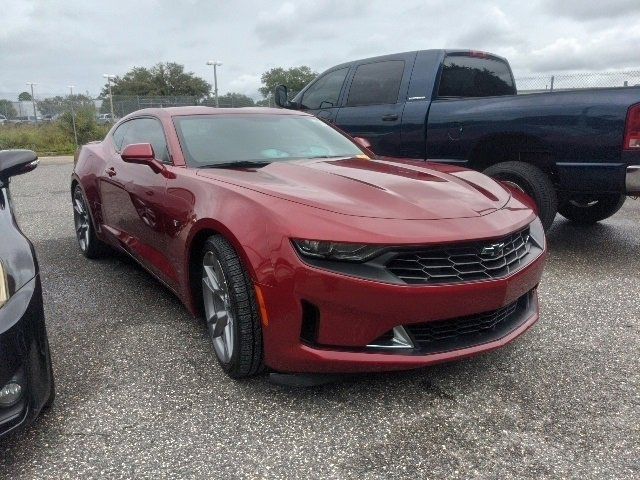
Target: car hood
pixel 381 188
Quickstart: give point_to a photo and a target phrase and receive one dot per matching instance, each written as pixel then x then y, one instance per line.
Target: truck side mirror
pixel 282 96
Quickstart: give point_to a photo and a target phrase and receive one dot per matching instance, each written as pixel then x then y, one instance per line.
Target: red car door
pixel 133 200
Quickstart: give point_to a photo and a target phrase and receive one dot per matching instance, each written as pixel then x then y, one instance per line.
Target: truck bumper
pixel 632 181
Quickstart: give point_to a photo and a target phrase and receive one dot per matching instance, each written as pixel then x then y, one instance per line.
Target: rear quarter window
pixel 376 83
pixel 464 76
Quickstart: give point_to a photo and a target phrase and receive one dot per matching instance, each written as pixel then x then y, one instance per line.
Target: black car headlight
pixel 4 285
pixel 337 251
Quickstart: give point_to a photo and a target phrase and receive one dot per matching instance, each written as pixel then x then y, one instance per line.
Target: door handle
pixel 110 171
pixel 389 118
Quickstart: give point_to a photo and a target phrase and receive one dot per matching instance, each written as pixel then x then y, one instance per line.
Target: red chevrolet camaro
pixel 302 250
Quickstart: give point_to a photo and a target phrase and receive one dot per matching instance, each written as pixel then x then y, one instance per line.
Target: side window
pixel 118 135
pixel 325 91
pixel 147 130
pixel 464 76
pixel 376 83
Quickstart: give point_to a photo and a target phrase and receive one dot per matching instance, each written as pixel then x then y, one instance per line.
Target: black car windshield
pixel 209 140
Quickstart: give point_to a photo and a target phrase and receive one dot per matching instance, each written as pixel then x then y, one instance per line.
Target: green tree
pixel 7 109
pixel 163 79
pixel 57 105
pixel 86 124
pixel 24 97
pixel 294 78
pixel 231 99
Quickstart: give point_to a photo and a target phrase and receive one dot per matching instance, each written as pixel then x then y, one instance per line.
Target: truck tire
pixel 534 182
pixel 589 210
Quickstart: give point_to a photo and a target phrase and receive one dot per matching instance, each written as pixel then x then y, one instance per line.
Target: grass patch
pixel 49 138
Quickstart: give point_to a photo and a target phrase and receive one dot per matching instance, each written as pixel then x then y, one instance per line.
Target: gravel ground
pixel 140 394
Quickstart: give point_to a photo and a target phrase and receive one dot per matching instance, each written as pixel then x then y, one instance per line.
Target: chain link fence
pixel 578 81
pixel 48 108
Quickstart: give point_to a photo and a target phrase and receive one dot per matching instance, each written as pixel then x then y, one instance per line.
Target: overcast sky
pixel 59 42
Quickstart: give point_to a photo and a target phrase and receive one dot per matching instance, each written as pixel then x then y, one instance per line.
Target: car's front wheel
pixel 587 210
pixel 89 244
pixel 230 308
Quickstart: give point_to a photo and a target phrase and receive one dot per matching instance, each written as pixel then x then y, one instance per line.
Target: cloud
pixel 59 43
pixel 492 28
pixel 608 50
pixel 593 9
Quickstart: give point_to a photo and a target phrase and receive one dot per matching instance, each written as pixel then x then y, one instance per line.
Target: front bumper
pixel 24 355
pixel 632 180
pixel 352 313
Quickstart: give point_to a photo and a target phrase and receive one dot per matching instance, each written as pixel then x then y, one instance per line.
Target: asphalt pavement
pixel 140 394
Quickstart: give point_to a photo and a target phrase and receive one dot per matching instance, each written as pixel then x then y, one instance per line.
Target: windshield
pixel 208 140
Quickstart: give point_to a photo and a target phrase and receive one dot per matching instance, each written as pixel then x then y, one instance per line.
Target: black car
pixel 26 375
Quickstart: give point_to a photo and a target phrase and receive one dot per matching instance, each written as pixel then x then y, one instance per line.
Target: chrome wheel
pixel 217 306
pixel 81 219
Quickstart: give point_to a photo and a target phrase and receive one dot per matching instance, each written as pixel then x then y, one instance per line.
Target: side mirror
pixel 142 154
pixel 282 96
pixel 363 142
pixel 16 162
pixel 365 145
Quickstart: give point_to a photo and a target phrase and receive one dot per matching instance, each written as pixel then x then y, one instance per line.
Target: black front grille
pixel 463 332
pixel 462 262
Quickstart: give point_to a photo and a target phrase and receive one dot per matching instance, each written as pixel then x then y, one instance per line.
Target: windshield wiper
pixel 238 164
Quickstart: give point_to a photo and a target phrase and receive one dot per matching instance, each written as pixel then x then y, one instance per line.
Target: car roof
pixel 201 110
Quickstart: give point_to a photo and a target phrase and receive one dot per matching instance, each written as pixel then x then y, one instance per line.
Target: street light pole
pixel 109 77
pixel 33 102
pixel 215 64
pixel 73 116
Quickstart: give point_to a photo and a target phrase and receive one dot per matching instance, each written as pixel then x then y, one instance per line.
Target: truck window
pixel 464 76
pixel 376 83
pixel 325 91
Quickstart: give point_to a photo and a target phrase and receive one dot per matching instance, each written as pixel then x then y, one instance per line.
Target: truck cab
pixel 568 149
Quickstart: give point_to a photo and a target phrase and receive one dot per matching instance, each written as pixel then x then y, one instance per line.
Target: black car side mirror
pixel 16 162
pixel 282 96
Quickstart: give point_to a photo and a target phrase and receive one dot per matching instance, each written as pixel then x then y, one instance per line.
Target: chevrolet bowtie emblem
pixel 493 251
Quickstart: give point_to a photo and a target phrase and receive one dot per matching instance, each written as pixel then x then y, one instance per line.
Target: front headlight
pixel 346 252
pixel 4 285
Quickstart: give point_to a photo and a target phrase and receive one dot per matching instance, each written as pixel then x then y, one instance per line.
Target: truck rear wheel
pixel 587 209
pixel 534 182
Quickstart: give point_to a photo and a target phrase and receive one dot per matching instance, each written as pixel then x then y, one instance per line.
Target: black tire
pixel 90 245
pixel 534 182
pixel 587 210
pixel 246 358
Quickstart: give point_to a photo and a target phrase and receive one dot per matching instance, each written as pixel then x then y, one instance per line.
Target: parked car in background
pixel 304 252
pixel 576 152
pixel 26 120
pixel 3 119
pixel 26 374
pixel 106 118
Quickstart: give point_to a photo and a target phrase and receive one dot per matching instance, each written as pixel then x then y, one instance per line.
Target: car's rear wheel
pixel 231 311
pixel 89 244
pixel 532 181
pixel 589 209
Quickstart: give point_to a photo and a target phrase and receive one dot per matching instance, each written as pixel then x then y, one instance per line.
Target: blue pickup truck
pixel 574 152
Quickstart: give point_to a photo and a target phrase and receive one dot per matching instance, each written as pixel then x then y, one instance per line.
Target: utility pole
pixel 215 64
pixel 109 78
pixel 33 101
pixel 73 116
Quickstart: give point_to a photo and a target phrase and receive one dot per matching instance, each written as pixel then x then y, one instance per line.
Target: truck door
pixel 375 102
pixel 322 96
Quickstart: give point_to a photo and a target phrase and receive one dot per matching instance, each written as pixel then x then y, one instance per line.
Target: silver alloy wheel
pixel 81 219
pixel 217 306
